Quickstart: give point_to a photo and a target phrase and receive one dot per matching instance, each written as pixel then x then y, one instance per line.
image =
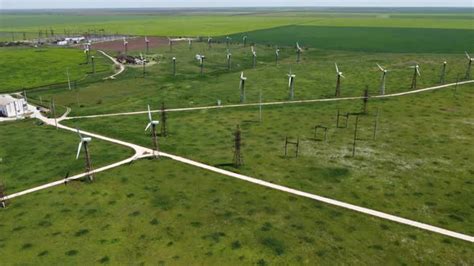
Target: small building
pixel 12 107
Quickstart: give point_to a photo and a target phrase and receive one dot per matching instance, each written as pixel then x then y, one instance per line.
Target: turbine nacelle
pixel 242 76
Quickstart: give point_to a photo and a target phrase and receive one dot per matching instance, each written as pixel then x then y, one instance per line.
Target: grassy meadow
pixel 165 213
pixel 34 154
pixel 315 77
pixel 32 67
pixel 417 159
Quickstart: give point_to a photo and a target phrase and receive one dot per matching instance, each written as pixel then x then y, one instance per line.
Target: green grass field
pixel 29 67
pixel 162 212
pixel 315 78
pixel 367 39
pixel 165 213
pixel 417 159
pixel 35 154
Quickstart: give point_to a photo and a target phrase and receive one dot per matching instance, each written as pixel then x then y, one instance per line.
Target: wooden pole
pixel 355 136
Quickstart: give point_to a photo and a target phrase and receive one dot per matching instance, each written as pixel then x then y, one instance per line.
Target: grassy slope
pixel 33 155
pixel 161 212
pixel 418 167
pixel 369 39
pixel 29 67
pixel 315 78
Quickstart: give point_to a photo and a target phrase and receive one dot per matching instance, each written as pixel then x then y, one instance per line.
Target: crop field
pixel 408 156
pixel 161 212
pixel 22 68
pixel 36 154
pixel 368 39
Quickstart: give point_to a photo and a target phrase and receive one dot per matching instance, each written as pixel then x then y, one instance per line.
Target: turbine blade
pixel 418 72
pixel 79 150
pixel 149 113
pixel 343 76
pixel 468 57
pixel 381 68
pixel 147 126
pixel 79 133
pixel 337 69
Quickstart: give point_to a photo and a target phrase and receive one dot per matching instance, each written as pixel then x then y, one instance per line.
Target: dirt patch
pixel 134 44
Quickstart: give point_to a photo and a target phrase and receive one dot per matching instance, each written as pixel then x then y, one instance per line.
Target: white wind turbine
pixel 244 39
pixel 227 41
pixel 338 82
pixel 209 42
pixel 416 74
pixel 201 58
pixel 254 56
pixel 242 87
pixel 383 79
pixel 442 78
pixel 190 44
pixel 84 143
pixel 277 55
pixel 291 84
pixel 147 43
pixel 174 66
pixel 153 124
pixel 469 65
pixel 229 60
pixel 87 52
pixel 125 45
pixel 299 50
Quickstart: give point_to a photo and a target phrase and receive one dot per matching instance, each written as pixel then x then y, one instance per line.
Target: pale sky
pixel 58 4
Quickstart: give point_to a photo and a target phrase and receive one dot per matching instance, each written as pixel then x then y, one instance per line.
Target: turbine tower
pixel 153 124
pixel 209 42
pixel 201 58
pixel 229 60
pixel 298 53
pixel 244 39
pixel 147 43
pixel 227 41
pixel 442 78
pixel 242 87
pixel 291 84
pixel 383 79
pixel 190 44
pixel 416 73
pixel 84 143
pixel 125 45
pixel 174 66
pixel 254 56
pixel 469 64
pixel 338 82
pixel 277 55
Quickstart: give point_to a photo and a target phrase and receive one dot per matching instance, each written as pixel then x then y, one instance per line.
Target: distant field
pixel 29 67
pixel 367 39
pixel 215 24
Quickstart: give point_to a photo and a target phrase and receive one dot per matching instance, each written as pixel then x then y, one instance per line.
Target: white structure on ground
pixel 12 107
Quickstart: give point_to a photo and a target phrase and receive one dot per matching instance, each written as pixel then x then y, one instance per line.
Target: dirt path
pixel 116 63
pixel 141 152
pixel 278 103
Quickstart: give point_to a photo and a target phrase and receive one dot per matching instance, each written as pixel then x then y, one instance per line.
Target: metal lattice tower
pixel 238 160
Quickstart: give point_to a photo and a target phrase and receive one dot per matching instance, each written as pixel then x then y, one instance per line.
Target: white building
pixel 12 107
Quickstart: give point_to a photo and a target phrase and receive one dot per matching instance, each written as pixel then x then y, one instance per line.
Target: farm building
pixel 11 107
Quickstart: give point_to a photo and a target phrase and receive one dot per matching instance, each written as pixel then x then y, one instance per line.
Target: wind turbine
pixel 277 55
pixel 201 58
pixel 174 66
pixel 153 124
pixel 254 55
pixel 125 45
pixel 68 78
pixel 147 42
pixel 93 64
pixel 382 81
pixel 84 143
pixel 143 63
pixel 229 60
pixel 227 41
pixel 242 87
pixel 244 39
pixel 209 42
pixel 416 73
pixel 87 52
pixel 442 78
pixel 298 52
pixel 291 84
pixel 468 71
pixel 338 83
pixel 190 44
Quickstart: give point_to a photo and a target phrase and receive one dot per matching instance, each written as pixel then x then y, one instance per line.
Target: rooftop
pixel 6 99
